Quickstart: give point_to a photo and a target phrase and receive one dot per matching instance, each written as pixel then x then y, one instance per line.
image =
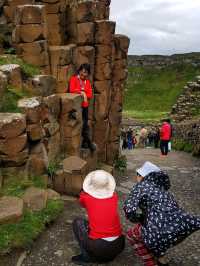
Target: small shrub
pixel 120 163
pixel 181 145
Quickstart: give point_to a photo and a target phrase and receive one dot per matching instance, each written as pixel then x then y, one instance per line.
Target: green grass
pixel 16 186
pixel 181 145
pixel 150 93
pixel 23 233
pixel 27 69
pixel 10 98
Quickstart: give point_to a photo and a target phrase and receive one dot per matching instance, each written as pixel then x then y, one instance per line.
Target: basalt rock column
pixel 30 34
pixel 103 72
pixel 70 124
pixel 119 75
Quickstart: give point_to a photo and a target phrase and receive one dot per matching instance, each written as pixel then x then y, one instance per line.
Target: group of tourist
pixel 151 138
pixel 159 223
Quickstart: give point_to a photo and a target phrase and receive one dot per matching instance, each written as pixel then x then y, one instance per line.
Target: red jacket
pixel 165 132
pixel 75 86
pixel 102 215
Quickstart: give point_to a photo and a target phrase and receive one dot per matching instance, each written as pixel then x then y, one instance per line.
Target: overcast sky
pixel 159 26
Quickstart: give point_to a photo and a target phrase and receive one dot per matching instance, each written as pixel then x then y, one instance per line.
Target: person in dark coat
pixel 161 223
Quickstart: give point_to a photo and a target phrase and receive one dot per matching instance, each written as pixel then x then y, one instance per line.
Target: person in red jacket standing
pixel 80 84
pixel 100 238
pixel 165 136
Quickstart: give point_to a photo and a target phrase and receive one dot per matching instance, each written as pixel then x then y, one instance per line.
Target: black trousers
pixel 98 249
pixel 164 147
pixel 85 129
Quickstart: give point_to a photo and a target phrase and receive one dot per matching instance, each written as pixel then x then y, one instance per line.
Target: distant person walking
pixel 143 137
pixel 165 136
pixel 156 137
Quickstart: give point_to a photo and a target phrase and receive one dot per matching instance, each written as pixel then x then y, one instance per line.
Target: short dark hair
pixel 84 67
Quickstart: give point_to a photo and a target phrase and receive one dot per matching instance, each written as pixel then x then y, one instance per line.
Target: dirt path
pixel 56 245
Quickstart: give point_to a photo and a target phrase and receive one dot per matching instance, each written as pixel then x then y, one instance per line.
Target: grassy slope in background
pixel 150 93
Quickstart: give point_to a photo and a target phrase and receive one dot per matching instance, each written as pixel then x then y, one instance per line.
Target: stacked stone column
pixel 104 35
pixel 29 35
pixel 119 75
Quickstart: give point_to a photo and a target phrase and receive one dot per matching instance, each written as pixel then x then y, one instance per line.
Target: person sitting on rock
pixel 161 223
pixel 100 238
pixel 80 84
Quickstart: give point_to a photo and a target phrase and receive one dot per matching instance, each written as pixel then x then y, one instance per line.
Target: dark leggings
pixel 85 129
pixel 99 249
pixel 164 147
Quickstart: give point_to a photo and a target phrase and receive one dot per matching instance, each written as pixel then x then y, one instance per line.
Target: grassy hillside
pixel 150 93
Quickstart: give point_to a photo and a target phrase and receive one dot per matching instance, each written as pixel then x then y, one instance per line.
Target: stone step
pixel 70 178
pixel 11 209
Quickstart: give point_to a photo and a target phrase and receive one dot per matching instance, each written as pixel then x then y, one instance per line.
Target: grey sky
pixel 159 26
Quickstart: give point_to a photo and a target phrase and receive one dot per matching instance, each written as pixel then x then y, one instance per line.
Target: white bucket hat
pixel 147 168
pixel 99 184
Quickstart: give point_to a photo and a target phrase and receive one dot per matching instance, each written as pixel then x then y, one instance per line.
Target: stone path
pixel 56 245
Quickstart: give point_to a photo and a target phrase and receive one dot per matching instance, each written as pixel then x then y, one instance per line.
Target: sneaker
pixel 81 259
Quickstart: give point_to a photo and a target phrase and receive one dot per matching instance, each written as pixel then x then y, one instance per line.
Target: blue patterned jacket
pixel 164 223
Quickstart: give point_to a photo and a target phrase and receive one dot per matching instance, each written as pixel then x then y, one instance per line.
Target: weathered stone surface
pixel 29 33
pixel 59 181
pixel 15 160
pixel 36 165
pixel 13 146
pixel 55 35
pixel 121 44
pixel 90 158
pixel 34 53
pixel 51 128
pixel 71 146
pixel 54 8
pixel 13 73
pixel 51 108
pixel 61 55
pixel 84 54
pixel 29 14
pixel 11 209
pixel 44 85
pixel 32 108
pixel 52 195
pixel 81 12
pixel 74 164
pixel 9 9
pixel 1 179
pixel 120 70
pixel 102 99
pixel 112 151
pixel 104 32
pixel 3 83
pixel 35 132
pixel 101 10
pixel 12 125
pixel 100 136
pixel 104 52
pixel 85 33
pixel 103 71
pixel 54 147
pixel 69 102
pixel 35 199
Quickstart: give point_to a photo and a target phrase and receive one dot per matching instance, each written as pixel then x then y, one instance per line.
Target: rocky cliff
pixel 58 36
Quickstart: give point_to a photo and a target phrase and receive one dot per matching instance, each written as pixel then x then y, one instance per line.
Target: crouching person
pixel 161 223
pixel 100 238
